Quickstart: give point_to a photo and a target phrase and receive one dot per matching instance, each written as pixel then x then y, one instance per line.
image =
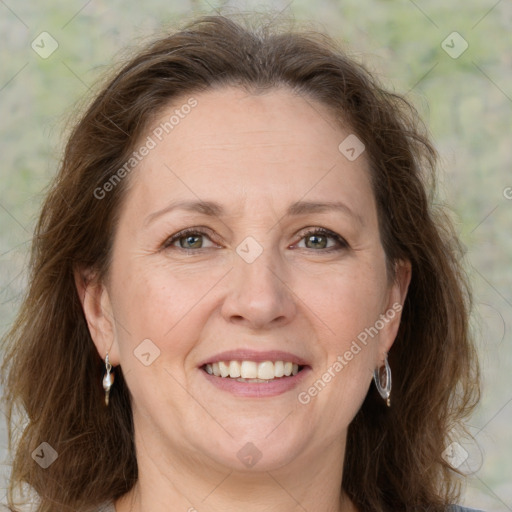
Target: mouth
pixel 248 373
pixel 253 371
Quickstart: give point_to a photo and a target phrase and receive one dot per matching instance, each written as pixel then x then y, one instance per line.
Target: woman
pixel 240 238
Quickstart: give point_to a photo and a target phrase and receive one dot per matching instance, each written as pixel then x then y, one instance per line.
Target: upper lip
pixel 252 355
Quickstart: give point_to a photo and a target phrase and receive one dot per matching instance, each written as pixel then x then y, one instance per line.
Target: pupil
pixel 190 240
pixel 316 238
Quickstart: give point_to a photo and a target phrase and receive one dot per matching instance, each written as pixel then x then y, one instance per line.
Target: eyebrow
pixel 213 209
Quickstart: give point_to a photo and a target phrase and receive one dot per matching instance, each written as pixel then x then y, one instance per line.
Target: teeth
pixel 234 369
pixel 250 371
pixel 266 370
pixel 224 369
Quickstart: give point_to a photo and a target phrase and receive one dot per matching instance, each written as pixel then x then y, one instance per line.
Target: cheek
pixel 160 315
pixel 347 306
pixel 153 302
pixel 347 301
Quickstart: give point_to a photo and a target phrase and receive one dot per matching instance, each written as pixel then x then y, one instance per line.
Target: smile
pixel 252 371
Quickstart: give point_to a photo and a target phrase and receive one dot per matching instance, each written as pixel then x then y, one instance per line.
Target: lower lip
pixel 257 389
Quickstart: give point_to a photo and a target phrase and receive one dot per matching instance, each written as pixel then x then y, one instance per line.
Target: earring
pixel 108 379
pixel 383 389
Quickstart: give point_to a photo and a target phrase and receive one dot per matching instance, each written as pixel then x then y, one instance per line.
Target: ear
pixel 97 307
pixel 393 310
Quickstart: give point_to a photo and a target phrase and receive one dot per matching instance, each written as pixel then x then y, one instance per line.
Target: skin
pixel 254 155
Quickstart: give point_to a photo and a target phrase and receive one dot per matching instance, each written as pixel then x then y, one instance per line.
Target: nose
pixel 259 294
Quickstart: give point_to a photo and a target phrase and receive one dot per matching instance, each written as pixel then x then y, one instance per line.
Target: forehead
pixel 238 144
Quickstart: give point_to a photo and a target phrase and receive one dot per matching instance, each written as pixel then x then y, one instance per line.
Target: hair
pixel 52 371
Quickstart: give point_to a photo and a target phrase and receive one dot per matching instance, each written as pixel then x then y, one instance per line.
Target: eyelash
pixel 342 243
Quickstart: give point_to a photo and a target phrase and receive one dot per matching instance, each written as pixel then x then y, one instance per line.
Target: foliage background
pixel 466 102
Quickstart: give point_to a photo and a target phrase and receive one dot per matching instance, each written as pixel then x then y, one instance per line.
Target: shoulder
pixel 458 508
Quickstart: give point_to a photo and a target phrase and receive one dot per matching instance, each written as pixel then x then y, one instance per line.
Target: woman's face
pixel 282 264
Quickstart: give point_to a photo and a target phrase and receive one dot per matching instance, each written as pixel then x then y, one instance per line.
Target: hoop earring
pixel 383 389
pixel 108 379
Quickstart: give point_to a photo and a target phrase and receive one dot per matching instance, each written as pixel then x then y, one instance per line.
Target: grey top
pixel 109 507
pixel 455 508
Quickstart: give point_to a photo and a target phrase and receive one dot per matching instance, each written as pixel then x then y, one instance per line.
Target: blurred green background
pixel 464 95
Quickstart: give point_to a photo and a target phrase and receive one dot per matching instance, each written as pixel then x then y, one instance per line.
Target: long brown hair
pixel 52 371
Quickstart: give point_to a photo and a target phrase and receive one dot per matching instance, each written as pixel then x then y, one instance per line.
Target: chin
pixel 249 454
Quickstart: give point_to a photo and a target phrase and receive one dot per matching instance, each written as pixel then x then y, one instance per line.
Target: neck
pixel 193 483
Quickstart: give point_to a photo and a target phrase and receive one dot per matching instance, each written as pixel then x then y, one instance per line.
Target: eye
pixel 192 239
pixel 319 238
pixel 188 239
